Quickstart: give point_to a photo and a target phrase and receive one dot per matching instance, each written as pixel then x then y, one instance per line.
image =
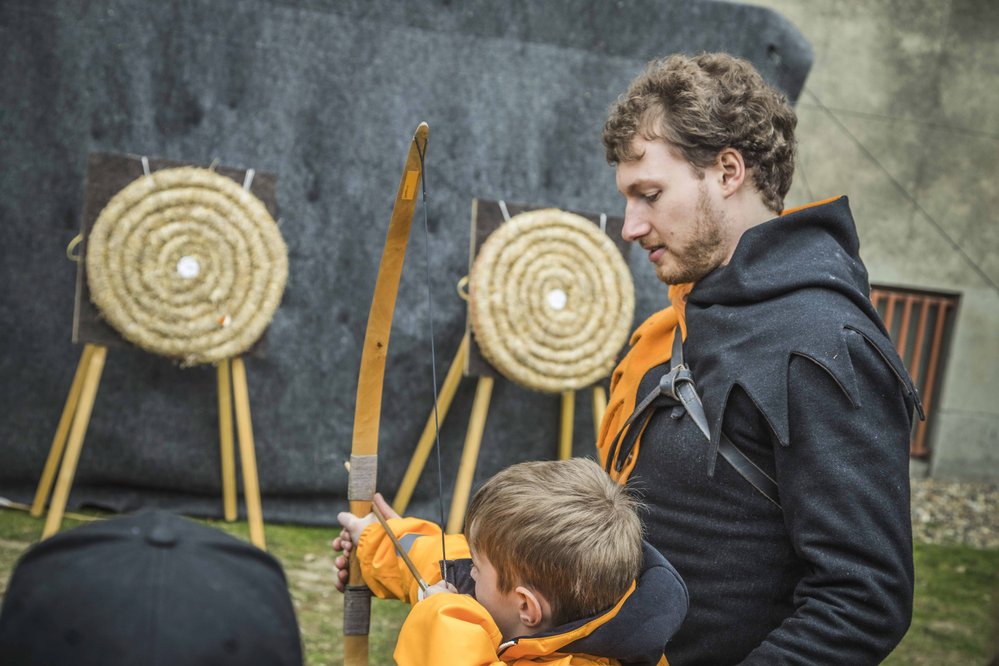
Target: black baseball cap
pixel 151 589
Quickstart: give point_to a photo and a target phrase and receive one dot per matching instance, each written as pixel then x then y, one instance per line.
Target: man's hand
pixel 351 533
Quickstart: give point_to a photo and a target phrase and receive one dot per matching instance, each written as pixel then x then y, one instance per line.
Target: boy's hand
pixel 352 529
pixel 440 587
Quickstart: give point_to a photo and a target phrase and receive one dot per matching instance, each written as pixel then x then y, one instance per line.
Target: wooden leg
pixel 88 392
pixel 599 407
pixel 426 443
pixel 225 441
pixel 470 454
pixel 565 425
pixel 59 441
pixel 247 456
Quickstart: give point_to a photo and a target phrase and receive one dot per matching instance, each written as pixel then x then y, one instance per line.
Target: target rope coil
pixel 551 301
pixel 187 264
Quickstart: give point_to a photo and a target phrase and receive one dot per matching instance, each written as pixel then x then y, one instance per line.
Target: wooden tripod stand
pixel 473 436
pixel 107 174
pixel 487 216
pixel 67 444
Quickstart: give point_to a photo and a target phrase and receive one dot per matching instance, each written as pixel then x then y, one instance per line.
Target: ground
pixel 956 555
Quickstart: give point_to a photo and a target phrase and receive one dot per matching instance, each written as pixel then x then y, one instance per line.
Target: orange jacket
pixel 651 344
pixel 455 629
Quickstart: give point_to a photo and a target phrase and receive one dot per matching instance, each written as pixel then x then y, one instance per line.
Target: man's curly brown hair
pixel 702 105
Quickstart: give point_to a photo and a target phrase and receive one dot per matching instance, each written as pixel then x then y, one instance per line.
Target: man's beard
pixel 703 253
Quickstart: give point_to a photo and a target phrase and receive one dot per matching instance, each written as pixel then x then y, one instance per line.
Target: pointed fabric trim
pixel 758 358
pixel 889 355
pixel 793 287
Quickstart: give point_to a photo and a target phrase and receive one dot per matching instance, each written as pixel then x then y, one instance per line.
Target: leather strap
pixel 683 388
pixel 678 384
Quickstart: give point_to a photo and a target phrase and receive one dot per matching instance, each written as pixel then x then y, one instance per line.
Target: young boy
pixel 551 568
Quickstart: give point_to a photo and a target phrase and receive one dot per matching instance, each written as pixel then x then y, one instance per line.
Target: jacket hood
pixel 634 631
pixel 814 247
pixel 795 286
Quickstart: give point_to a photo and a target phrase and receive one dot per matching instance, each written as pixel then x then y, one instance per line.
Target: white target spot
pixel 557 299
pixel 188 267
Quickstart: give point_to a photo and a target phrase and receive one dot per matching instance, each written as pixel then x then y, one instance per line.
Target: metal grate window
pixel 920 324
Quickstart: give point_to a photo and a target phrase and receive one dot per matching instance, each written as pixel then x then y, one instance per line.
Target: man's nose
pixel 634 226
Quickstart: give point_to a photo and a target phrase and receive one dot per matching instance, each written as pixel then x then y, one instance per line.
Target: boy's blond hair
pixel 561 527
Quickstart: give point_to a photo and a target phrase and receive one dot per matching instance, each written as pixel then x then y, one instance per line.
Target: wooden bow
pixel 368 405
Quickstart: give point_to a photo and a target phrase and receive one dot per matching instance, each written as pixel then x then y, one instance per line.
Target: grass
pixel 957 594
pixel 955 614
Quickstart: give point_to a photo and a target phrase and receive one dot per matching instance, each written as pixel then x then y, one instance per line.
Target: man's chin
pixel 669 275
pixel 691 272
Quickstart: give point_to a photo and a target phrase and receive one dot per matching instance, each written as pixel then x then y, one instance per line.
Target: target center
pixel 188 267
pixel 557 299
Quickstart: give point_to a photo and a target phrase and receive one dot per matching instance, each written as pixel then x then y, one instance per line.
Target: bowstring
pixel 433 353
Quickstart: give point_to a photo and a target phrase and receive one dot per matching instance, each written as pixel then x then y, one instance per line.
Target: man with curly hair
pixel 796 545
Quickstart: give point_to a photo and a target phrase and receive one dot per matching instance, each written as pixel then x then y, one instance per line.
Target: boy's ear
pixel 533 609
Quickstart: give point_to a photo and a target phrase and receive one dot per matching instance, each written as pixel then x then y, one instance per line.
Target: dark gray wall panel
pixel 325 95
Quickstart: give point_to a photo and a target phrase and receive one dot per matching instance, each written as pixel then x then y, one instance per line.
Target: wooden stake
pixel 426 442
pixel 566 425
pixel 59 441
pixel 247 456
pixel 599 407
pixel 81 419
pixel 470 454
pixel 226 443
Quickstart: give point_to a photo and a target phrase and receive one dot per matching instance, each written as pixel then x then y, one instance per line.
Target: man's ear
pixel 731 170
pixel 533 609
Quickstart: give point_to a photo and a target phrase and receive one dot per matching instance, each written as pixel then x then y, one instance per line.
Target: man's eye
pixel 652 197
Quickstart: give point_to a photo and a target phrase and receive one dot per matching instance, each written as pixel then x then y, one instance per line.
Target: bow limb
pixel 368 404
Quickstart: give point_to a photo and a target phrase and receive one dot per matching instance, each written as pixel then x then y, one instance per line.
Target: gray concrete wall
pixel 326 95
pixel 901 112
